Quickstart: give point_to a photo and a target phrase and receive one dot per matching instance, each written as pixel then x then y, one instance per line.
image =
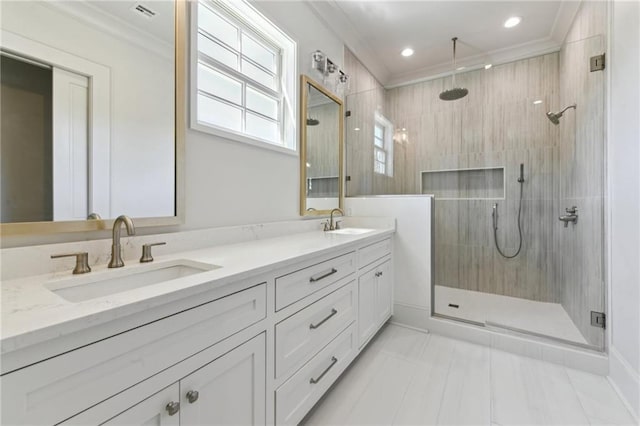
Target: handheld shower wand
pixel 494 215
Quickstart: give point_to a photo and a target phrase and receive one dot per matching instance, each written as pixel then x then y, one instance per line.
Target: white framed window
pixel 382 146
pixel 243 72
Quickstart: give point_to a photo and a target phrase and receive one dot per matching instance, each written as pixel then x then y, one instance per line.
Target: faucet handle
pixel 325 225
pixel 82 261
pixel 337 224
pixel 571 210
pixel 146 251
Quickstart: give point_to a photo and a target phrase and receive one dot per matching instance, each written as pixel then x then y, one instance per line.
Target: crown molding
pixel 495 57
pixel 113 26
pixel 330 13
pixel 333 17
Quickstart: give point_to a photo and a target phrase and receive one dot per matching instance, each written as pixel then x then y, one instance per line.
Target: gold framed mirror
pixel 126 156
pixel 321 149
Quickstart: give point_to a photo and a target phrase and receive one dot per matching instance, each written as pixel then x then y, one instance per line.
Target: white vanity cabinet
pixel 259 350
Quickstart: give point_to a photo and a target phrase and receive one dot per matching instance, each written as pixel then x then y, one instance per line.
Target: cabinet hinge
pixel 597 63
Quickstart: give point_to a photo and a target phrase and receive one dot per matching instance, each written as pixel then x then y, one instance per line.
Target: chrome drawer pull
pixel 325 275
pixel 333 362
pixel 314 326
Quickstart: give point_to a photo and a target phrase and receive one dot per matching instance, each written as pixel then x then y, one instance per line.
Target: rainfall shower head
pixel 312 121
pixel 455 92
pixel 554 117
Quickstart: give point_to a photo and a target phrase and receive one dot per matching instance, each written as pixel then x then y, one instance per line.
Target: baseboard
pixel 625 381
pixel 419 318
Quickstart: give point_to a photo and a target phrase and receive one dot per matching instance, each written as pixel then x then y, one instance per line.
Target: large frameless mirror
pixel 321 149
pixel 92 114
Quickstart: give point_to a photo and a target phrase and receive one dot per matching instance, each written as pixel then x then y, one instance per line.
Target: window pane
pixel 379 132
pixel 381 156
pixel 262 103
pixel 378 142
pixel 262 128
pixel 218 113
pixel 258 53
pixel 215 25
pixel 217 52
pixel 218 84
pixel 258 75
pixel 379 168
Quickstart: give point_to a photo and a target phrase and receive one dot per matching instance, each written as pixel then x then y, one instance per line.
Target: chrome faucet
pixel 333 226
pixel 571 216
pixel 116 250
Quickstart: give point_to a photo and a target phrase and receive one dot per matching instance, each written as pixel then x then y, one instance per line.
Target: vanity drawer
pixel 373 252
pixel 294 286
pixel 297 395
pixel 56 389
pixel 301 335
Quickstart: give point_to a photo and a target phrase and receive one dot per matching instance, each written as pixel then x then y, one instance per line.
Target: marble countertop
pixel 31 313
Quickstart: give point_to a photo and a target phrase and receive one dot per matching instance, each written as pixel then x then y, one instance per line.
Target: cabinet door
pixel 384 292
pixel 366 306
pixel 154 410
pixel 229 390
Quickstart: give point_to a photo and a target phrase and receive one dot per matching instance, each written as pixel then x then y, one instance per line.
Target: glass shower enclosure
pixel 493 160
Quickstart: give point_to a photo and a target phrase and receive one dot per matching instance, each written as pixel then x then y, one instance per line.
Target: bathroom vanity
pixel 255 336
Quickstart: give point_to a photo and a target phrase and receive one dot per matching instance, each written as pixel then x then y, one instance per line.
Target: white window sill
pixel 237 137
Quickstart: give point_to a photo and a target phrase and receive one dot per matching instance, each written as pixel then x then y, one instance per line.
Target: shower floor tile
pixel 549 319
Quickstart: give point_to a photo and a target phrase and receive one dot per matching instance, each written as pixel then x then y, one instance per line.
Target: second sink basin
pixel 80 289
pixel 351 231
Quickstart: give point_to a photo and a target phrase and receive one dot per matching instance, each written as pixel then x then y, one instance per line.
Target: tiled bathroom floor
pixel 406 377
pixel 549 319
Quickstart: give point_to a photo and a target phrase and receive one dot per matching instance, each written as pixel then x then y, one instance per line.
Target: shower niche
pixel 464 184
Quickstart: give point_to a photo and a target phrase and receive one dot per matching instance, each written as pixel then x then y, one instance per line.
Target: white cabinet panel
pixel 303 334
pixel 228 391
pixel 373 252
pixel 298 394
pixel 375 298
pixel 294 286
pixel 153 411
pixel 366 306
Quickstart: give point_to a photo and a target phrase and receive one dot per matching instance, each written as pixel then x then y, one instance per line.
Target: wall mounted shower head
pixel 554 117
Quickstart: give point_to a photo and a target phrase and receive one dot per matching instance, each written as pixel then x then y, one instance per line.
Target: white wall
pixel 624 196
pixel 411 251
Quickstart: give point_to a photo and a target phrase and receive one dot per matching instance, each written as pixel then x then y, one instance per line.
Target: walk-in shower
pixel 529 266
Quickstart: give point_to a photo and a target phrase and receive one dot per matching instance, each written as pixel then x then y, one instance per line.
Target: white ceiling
pixel 376 31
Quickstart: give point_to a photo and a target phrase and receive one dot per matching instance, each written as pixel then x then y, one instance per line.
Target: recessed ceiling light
pixel 537 102
pixel 357 129
pixel 407 52
pixel 486 67
pixel 308 165
pixel 404 129
pixel 512 22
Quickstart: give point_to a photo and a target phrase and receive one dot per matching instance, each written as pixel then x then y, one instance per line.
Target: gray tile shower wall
pixel 496 125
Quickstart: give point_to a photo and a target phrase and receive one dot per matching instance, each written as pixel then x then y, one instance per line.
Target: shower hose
pixel 495 228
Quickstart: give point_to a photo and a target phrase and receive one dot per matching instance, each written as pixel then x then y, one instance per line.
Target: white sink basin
pixel 351 231
pixel 87 287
